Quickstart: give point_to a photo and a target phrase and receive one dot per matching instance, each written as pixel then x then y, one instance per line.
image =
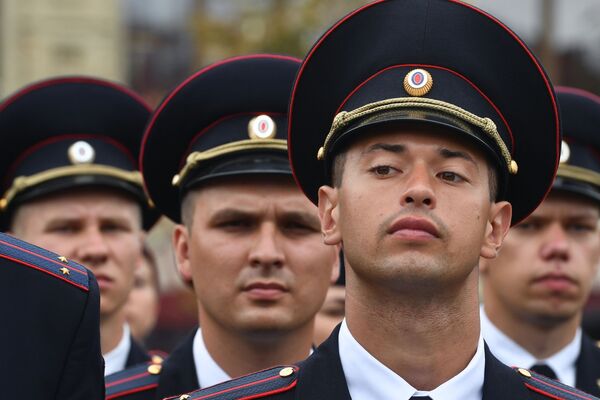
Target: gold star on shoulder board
pixel 65 271
pixel 63 259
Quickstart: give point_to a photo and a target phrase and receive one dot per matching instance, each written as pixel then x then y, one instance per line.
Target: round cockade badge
pixel 418 82
pixel 262 127
pixel 565 152
pixel 81 152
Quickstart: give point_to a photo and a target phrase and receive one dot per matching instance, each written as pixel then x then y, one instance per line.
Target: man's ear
pixel 496 228
pixel 329 215
pixel 181 246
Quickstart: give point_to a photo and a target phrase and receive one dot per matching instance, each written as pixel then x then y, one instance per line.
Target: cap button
pixel 514 167
pixel 321 154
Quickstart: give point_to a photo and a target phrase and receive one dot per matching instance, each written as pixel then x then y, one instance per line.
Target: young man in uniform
pixel 72 185
pixel 214 158
pixel 417 126
pixel 535 290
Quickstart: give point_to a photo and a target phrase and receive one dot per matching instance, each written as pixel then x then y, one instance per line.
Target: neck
pixel 239 353
pixel 416 334
pixel 542 339
pixel 111 330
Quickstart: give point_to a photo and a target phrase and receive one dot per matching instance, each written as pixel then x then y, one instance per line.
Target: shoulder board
pixel 139 378
pixel 43 260
pixel 551 388
pixel 254 386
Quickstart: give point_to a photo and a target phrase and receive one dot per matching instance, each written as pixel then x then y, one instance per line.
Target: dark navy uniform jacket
pixel 50 335
pixel 587 377
pixel 321 377
pixel 176 375
pixel 137 354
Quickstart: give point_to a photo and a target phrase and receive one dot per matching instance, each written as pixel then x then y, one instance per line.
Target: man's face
pixel 414 210
pixel 143 303
pixel 548 262
pixel 98 228
pixel 255 255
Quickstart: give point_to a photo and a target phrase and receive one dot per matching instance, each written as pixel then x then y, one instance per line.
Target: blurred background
pixel 152 45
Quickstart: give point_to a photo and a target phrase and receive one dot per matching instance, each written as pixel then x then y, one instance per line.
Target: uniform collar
pixel 368 378
pixel 208 371
pixel 512 354
pixel 116 359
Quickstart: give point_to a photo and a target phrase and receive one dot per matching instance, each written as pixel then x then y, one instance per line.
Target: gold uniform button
pixel 157 359
pixel 154 369
pixel 524 372
pixel 285 372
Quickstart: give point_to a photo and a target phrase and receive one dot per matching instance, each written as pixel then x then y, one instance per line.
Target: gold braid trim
pixel 22 183
pixel 579 174
pixel 249 144
pixel 486 124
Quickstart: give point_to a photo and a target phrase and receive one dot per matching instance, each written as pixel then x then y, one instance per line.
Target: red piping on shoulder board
pixel 129 378
pixel 562 389
pixel 46 271
pixel 280 390
pixel 41 256
pixel 131 391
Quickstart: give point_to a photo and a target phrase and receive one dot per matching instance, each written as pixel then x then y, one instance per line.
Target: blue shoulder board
pixel 551 388
pixel 43 260
pixel 139 378
pixel 254 386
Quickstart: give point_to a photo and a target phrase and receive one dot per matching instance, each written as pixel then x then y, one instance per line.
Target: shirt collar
pixel 207 370
pixel 368 378
pixel 510 353
pixel 115 360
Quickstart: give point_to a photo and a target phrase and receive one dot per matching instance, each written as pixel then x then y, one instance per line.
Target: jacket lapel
pixel 178 373
pixel 321 376
pixel 588 367
pixel 501 382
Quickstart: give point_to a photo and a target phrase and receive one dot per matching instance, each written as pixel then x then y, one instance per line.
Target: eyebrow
pixel 301 216
pixel 393 148
pixel 447 153
pixel 231 213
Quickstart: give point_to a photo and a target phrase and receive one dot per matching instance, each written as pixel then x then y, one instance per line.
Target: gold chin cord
pixel 485 124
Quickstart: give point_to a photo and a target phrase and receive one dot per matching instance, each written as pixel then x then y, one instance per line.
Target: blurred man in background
pixel 72 185
pixel 535 291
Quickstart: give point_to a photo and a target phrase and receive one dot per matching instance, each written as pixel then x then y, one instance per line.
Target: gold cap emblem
pixel 262 127
pixel 565 152
pixel 81 152
pixel 418 82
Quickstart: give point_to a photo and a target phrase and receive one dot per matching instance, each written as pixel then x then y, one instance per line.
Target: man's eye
pixel 581 228
pixel 63 229
pixel 528 226
pixel 382 170
pixel 450 176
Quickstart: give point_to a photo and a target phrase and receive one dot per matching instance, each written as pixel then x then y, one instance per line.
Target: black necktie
pixel 545 370
pixel 420 398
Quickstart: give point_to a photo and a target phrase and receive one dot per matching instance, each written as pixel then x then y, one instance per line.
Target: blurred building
pixel 42 38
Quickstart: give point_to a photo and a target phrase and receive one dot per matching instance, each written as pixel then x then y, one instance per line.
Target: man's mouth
pixel 413 228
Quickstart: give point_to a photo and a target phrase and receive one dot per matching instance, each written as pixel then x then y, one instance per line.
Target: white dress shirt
pixel 369 379
pixel 511 354
pixel 115 360
pixel 207 370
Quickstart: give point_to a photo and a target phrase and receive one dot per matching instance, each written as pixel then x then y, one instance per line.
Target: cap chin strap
pixel 233 147
pixel 488 126
pixel 22 183
pixel 578 174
